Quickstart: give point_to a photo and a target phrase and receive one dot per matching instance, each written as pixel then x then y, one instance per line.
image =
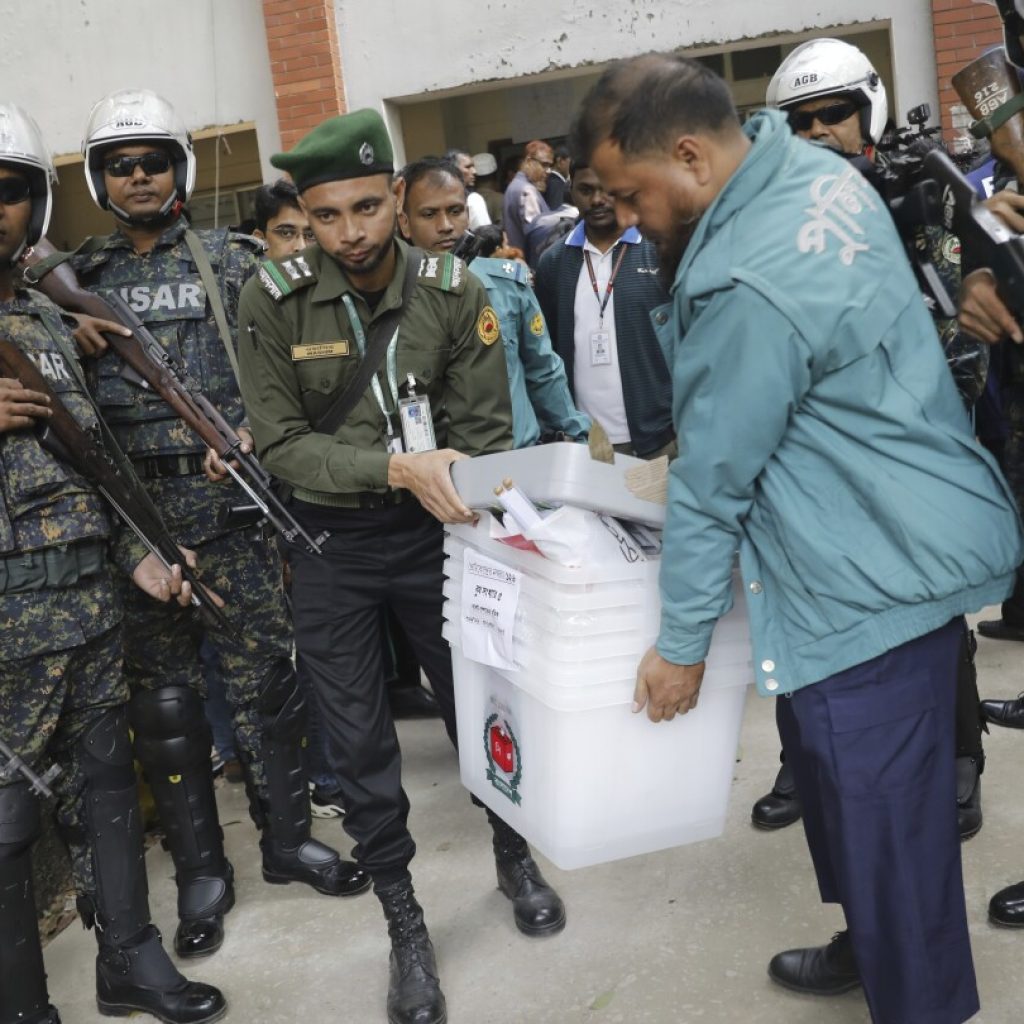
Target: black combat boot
pixel 780 807
pixel 414 989
pixel 172 742
pixel 133 970
pixel 537 908
pixel 290 854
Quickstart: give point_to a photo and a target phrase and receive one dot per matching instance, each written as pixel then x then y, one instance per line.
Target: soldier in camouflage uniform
pixel 184 285
pixel 62 692
pixel 835 97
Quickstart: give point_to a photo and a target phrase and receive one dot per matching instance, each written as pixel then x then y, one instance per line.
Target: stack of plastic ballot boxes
pixel 545 658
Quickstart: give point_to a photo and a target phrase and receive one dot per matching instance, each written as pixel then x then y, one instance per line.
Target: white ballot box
pixel 545 660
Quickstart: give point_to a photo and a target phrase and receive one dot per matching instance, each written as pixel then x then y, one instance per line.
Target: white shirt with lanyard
pixel 597 379
pixel 415 418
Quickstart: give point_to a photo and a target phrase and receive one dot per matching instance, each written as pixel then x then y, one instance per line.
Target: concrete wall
pixel 208 57
pixel 399 50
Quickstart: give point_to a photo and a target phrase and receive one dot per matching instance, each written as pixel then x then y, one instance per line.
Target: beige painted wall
pixel 528 109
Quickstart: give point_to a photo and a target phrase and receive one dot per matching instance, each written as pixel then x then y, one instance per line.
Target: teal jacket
pixel 820 431
pixel 541 401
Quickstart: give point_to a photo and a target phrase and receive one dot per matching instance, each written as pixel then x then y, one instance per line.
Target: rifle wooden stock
pixel 62 435
pixel 149 360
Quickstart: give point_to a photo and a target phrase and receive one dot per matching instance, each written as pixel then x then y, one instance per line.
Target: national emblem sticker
pixel 537 325
pixel 504 759
pixel 487 326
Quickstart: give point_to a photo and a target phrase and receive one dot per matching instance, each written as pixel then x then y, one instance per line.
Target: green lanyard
pixel 392 362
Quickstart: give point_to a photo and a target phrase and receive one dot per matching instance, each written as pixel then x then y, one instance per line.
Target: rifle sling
pixel 123 463
pixel 202 262
pixel 378 337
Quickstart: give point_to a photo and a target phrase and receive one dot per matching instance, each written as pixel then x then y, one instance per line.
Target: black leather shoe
pixel 1000 629
pixel 537 908
pixel 1007 906
pixel 968 797
pixel 412 702
pixel 141 978
pixel 313 864
pixel 200 937
pixel 1009 713
pixel 819 971
pixel 780 807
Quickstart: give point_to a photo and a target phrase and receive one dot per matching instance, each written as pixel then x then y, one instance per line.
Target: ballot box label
pixel 490 596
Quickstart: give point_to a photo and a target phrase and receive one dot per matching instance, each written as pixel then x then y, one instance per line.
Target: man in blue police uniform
pixel 434 216
pixel 867 517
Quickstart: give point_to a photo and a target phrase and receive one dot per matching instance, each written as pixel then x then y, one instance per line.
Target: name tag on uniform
pixel 600 348
pixel 319 350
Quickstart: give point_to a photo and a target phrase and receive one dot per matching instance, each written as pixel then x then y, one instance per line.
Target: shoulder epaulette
pixel 443 271
pixel 512 269
pixel 283 277
pixel 245 241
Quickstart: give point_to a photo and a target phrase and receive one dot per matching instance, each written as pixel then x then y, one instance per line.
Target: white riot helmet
pixel 130 116
pixel 21 145
pixel 828 67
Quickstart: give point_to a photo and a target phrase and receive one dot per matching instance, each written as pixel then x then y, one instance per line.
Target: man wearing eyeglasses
pixel 524 202
pixel 185 284
pixel 280 222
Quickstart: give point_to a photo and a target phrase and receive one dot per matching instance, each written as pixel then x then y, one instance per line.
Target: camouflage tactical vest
pixel 43 503
pixel 165 289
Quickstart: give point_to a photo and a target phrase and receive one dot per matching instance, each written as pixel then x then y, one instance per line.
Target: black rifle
pixel 40 785
pixel 62 436
pixel 151 366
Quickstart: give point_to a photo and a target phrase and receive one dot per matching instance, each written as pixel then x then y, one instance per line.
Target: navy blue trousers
pixel 872 755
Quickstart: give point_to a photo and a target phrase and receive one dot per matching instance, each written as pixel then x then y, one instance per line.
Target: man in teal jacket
pixel 821 435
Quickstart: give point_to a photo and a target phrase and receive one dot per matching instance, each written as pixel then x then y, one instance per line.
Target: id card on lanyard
pixel 416 422
pixel 601 340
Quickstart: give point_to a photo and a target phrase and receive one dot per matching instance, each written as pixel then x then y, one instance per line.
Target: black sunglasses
pixel 151 163
pixel 836 113
pixel 14 190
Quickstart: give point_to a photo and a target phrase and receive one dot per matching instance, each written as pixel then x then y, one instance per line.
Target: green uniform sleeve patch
pixel 443 271
pixel 282 278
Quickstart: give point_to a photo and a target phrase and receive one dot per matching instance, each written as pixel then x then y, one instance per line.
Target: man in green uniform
pixel 184 285
pixel 433 389
pixel 434 216
pixel 62 692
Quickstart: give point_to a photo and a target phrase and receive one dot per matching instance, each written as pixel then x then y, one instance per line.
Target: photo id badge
pixel 395 445
pixel 600 348
pixel 417 424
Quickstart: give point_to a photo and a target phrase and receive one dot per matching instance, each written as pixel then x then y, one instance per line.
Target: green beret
pixel 354 145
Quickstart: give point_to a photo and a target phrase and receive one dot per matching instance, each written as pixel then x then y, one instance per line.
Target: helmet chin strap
pixel 169 212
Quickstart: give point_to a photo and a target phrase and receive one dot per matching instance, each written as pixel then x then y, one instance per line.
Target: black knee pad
pixel 20 823
pixel 281 703
pixel 171 731
pixel 106 751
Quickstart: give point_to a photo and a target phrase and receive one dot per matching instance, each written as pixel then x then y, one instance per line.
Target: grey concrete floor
pixel 674 937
